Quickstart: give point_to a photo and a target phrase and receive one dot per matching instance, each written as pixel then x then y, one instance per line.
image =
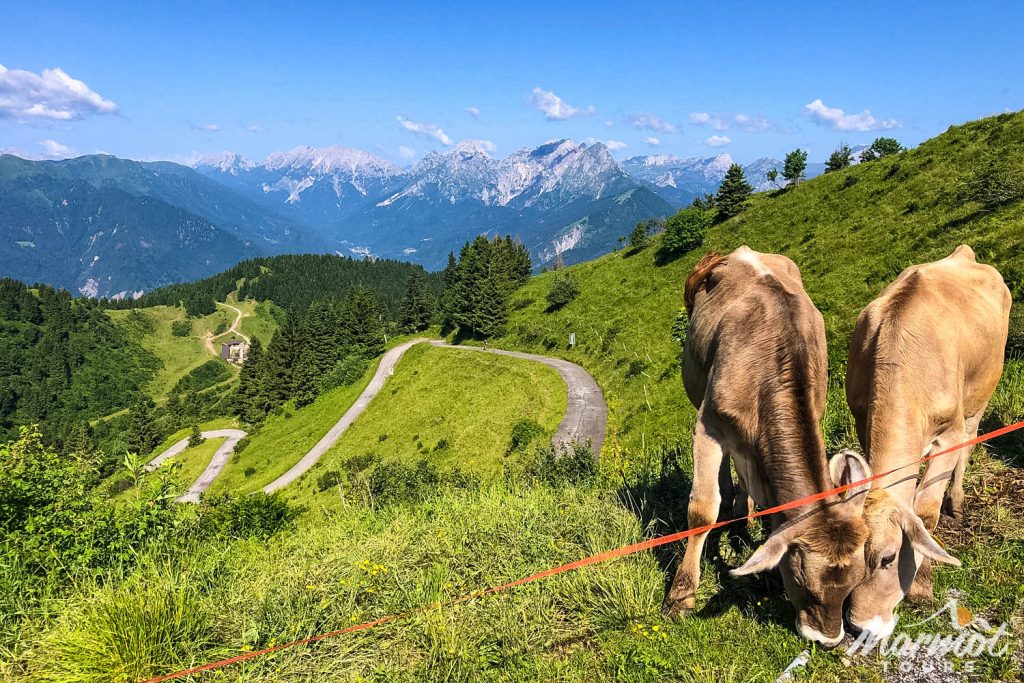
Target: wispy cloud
pixel 652 141
pixel 254 128
pixel 652 122
pixel 555 108
pixel 427 130
pixel 717 141
pixel 407 153
pixel 704 119
pixel 56 150
pixel 473 111
pixel 836 119
pixel 208 127
pixel 52 95
pixel 752 124
pixel 615 145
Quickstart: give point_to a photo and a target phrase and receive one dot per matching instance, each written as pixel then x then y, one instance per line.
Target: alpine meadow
pixel 423 412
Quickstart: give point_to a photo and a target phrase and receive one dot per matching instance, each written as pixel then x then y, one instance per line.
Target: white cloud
pixel 702 118
pixel 407 153
pixel 652 141
pixel 55 150
pixel 254 128
pixel 717 141
pixel 473 111
pixel 609 124
pixel 752 124
pixel 488 146
pixel 555 108
pixel 49 96
pixel 615 145
pixel 208 127
pixel 427 130
pixel 837 119
pixel 648 121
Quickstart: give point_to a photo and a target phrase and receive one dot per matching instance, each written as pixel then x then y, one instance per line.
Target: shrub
pixel 573 464
pixel 181 327
pixel 255 516
pixel 563 290
pixel 221 328
pixel 249 471
pixel 358 463
pixel 523 432
pixel 994 182
pixel 636 367
pixel 397 482
pixel 347 371
pixel 685 231
pixel 195 438
pixel 206 375
pixel 328 480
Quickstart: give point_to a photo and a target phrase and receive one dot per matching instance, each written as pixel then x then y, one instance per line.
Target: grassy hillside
pixel 850 232
pixel 151 327
pixel 455 408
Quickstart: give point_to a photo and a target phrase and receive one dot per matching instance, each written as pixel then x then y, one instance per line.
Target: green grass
pixel 455 407
pixel 285 437
pixel 180 355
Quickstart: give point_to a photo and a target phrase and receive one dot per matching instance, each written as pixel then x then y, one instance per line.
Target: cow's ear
pixel 921 540
pixel 768 555
pixel 846 467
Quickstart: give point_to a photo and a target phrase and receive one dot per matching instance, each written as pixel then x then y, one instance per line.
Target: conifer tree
pixel 733 192
pixel 417 307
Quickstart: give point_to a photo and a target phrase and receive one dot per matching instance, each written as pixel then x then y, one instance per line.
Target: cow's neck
pixel 792 454
pixel 895 437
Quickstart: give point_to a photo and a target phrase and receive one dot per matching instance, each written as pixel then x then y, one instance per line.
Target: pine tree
pixel 733 192
pixel 795 166
pixel 840 158
pixel 361 323
pixel 449 283
pixel 320 352
pixel 249 401
pixel 142 436
pixel 417 307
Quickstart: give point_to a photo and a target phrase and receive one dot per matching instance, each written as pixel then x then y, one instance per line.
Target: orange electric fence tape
pixel 586 561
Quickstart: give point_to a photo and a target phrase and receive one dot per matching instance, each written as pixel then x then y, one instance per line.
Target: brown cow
pixel 925 357
pixel 755 368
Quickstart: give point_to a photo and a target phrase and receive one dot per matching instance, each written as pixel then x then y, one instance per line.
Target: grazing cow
pixel 755 368
pixel 925 357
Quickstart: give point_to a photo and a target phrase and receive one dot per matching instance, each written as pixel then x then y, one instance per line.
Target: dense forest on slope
pixel 62 361
pixel 291 281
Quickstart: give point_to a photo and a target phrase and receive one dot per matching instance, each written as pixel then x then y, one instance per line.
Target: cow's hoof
pixel 677 609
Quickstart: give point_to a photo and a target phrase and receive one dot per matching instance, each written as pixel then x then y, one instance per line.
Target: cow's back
pixel 753 326
pixel 935 337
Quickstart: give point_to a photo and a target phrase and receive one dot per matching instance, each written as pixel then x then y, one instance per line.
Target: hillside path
pixel 234 329
pixel 220 458
pixel 586 413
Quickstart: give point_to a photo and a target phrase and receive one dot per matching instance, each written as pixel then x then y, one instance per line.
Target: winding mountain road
pixel 209 337
pixel 586 416
pixel 220 458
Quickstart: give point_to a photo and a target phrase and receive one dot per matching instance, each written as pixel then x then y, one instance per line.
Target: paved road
pixel 385 369
pixel 586 416
pixel 220 458
pixel 586 413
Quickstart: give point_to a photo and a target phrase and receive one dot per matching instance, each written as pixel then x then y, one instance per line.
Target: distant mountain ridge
pixel 103 226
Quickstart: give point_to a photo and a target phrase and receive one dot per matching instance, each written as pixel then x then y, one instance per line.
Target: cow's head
pixel 821 555
pixel 897 542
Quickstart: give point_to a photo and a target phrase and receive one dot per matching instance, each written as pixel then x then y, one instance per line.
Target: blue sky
pixel 169 80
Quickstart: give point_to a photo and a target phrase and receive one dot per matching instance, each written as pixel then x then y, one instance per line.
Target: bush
pixel 206 375
pixel 255 516
pixel 397 482
pixel 249 471
pixel 181 328
pixel 996 181
pixel 328 480
pixel 195 438
pixel 685 231
pixel 563 290
pixel 347 371
pixel 523 432
pixel 570 464
pixel 636 367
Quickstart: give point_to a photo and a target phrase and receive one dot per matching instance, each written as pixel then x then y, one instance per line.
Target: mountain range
pixel 103 226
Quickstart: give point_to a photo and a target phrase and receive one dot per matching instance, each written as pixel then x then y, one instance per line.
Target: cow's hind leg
pixel 953 503
pixel 705 499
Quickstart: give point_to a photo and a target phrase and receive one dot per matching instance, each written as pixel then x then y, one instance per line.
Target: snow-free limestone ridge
pixel 585 420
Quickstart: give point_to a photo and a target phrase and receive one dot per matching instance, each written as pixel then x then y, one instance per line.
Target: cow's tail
pixel 699 276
